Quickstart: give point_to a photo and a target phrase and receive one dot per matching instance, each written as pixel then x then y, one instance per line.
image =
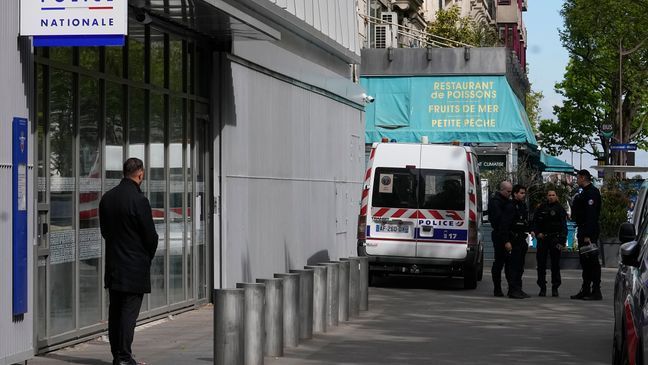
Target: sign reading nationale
pixel 74 22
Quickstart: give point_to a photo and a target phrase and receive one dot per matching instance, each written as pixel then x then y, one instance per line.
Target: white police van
pixel 421 212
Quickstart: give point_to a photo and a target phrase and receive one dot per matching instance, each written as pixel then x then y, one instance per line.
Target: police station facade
pixel 232 105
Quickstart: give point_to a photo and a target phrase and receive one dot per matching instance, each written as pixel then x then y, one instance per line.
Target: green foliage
pixel 450 25
pixel 591 84
pixel 614 208
pixel 525 174
pixel 533 99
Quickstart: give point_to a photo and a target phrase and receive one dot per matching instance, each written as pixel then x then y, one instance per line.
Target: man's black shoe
pixel 517 295
pixel 554 292
pixel 498 293
pixel 580 295
pixel 595 295
pixel 543 292
pixel 524 294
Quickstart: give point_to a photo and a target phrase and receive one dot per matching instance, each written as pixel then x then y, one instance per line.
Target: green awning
pixel 482 109
pixel 552 164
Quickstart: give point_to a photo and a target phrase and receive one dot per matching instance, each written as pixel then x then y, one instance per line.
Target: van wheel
pixel 470 278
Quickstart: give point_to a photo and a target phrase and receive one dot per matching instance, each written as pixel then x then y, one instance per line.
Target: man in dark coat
pixel 586 209
pixel 131 241
pixel 550 228
pixel 500 215
pixel 519 231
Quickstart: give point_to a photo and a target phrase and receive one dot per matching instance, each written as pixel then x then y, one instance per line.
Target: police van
pixel 421 212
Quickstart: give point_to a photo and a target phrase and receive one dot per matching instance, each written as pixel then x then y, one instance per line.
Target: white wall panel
pixel 16 338
pixel 284 157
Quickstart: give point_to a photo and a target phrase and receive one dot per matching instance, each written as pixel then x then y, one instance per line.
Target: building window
pixel 503 2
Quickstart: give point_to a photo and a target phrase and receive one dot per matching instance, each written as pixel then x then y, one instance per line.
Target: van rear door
pixel 392 221
pixel 443 225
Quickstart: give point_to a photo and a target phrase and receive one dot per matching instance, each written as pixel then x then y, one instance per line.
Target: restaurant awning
pixel 478 109
pixel 553 164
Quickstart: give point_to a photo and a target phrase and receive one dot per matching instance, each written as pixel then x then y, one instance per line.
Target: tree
pixel 450 25
pixel 591 84
pixel 533 110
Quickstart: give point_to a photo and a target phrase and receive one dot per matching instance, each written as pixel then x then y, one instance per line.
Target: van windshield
pixel 419 188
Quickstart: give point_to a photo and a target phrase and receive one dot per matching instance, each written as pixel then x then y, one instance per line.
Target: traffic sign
pixel 606 130
pixel 623 147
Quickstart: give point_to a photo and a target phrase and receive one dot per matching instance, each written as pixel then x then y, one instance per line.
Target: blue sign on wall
pixel 19 218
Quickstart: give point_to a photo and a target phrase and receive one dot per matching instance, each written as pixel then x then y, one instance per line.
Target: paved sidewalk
pixel 410 321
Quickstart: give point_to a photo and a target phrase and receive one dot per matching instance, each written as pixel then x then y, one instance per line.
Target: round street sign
pixel 606 130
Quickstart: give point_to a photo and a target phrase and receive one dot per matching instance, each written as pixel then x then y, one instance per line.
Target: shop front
pixel 95 107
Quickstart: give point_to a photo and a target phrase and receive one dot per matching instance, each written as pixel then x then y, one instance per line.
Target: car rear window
pixel 395 188
pixel 419 188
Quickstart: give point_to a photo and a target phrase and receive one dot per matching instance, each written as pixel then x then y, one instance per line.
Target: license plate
pixel 392 228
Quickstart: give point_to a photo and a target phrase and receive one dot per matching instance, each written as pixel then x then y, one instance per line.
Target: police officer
pixel 586 208
pixel 519 232
pixel 550 229
pixel 500 215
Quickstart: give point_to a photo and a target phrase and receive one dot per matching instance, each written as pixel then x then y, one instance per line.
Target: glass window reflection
pixel 157 192
pixel 62 186
pixel 89 196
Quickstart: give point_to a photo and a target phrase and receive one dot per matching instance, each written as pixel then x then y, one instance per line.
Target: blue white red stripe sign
pixel 91 22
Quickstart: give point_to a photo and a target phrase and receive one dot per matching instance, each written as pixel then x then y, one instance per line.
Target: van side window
pixel 395 188
pixel 442 189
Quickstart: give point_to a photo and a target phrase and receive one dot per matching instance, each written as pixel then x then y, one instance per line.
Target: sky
pixel 547 60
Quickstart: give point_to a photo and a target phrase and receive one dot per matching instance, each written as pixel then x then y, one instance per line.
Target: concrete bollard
pixel 354 286
pixel 319 298
pixel 290 309
pixel 343 290
pixel 273 313
pixel 305 303
pixel 229 306
pixel 332 293
pixel 364 283
pixel 254 323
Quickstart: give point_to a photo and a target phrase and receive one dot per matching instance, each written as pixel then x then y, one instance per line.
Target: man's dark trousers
pixel 122 315
pixel 517 258
pixel 547 247
pixel 501 261
pixel 591 266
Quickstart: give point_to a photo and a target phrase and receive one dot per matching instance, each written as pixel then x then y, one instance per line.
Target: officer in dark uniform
pixel 586 208
pixel 550 229
pixel 519 231
pixel 500 215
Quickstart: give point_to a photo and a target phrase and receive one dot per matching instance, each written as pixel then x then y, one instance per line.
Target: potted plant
pixel 614 211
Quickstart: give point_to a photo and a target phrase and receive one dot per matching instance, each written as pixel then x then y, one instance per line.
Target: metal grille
pixel 381 36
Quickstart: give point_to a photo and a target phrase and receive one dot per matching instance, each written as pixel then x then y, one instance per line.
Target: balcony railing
pixel 386 34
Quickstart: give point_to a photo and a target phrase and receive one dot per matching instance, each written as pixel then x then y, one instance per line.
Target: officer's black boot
pixel 498 290
pixel 543 291
pixel 554 292
pixel 595 294
pixel 585 291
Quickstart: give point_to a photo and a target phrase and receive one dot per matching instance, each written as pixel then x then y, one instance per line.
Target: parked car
pixel 630 339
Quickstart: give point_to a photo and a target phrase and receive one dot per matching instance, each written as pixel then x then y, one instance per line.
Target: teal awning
pixel 480 109
pixel 552 164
